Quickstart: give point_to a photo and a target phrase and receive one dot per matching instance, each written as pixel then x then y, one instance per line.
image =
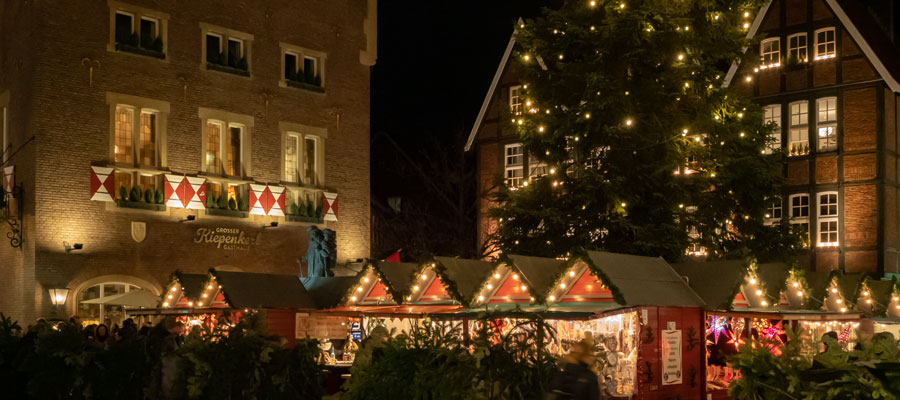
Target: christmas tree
pixel 644 149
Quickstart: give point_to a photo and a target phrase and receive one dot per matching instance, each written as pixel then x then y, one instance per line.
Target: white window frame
pixel 302 53
pixel 772 113
pixel 225 35
pixel 297 138
pixel 826 124
pixel 799 219
pixel 303 132
pixel 774 210
pixel 137 13
pixel 227 120
pixel 825 215
pixel 800 52
pixel 799 128
pixel 770 57
pixel 513 181
pixel 305 161
pixel 822 47
pixel 516 105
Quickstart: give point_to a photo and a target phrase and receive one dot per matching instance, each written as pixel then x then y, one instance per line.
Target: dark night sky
pixel 436 59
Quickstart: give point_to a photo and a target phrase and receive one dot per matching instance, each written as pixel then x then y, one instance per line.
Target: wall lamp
pixel 58 296
pixel 189 218
pixel 273 224
pixel 74 246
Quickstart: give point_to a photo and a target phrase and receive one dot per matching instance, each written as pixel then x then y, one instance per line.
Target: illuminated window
pixel 124 131
pixel 797 48
pixel 772 115
pixel 826 123
pixel 292 157
pixel 828 219
pixel 799 133
pixel 825 43
pixel 514 165
pixel 92 313
pixel 212 158
pixel 232 148
pixel 311 159
pixel 515 100
pixel 147 155
pixel 770 51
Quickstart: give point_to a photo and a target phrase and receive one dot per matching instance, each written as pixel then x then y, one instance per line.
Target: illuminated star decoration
pixel 718 327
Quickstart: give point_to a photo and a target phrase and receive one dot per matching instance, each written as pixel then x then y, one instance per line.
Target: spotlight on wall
pixel 273 224
pixel 75 246
pixel 189 218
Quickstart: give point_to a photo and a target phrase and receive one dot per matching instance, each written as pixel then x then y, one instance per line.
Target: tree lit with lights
pixel 646 151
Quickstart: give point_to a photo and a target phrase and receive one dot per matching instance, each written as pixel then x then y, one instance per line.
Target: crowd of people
pixel 102 335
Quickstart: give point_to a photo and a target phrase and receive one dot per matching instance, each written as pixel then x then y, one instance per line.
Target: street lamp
pixel 58 296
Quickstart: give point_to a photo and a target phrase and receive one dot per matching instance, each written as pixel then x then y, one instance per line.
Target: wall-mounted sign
pixel 671 357
pixel 226 238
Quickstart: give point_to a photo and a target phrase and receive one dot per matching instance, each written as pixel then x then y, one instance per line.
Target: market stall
pixel 749 301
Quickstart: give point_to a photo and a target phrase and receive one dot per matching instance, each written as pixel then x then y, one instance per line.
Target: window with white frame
pixel 770 52
pixel 826 123
pixel 137 145
pixel 95 313
pixel 226 50
pixel 773 209
pixel 292 157
pixel 536 168
pixel 301 66
pixel 828 219
pixel 798 48
pixel 137 30
pixel 515 99
pixel 799 212
pixel 225 143
pixel 799 132
pixel 311 160
pixel 513 163
pixel 825 47
pixel 772 115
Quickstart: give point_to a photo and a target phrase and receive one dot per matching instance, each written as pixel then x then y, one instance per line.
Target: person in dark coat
pixel 575 380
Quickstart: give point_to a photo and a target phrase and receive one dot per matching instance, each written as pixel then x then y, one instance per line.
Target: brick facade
pixel 864 168
pixel 44 46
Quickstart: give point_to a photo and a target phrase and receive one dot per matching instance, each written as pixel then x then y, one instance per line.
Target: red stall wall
pixel 281 323
pixel 690 322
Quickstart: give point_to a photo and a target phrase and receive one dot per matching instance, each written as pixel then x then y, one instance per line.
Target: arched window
pixel 99 313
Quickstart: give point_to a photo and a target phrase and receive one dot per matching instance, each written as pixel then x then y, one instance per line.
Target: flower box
pixel 139 205
pixel 304 85
pixel 227 213
pixel 299 218
pixel 140 50
pixel 226 68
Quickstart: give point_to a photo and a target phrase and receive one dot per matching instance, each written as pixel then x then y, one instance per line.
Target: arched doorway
pixel 105 286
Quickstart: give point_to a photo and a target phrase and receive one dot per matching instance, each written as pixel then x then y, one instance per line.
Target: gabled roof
pixel 467 275
pixel 328 291
pixel 249 290
pixel 490 94
pixel 716 282
pixel 645 281
pixel 538 272
pixel 399 276
pixel 864 31
pixel 191 284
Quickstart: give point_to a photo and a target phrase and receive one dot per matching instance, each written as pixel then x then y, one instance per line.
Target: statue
pixel 321 253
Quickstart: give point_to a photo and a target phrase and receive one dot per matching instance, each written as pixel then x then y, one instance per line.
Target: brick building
pixel 828 76
pixel 142 137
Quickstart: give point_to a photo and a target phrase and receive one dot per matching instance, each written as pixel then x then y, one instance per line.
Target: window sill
pixel 305 86
pixel 138 205
pixel 227 213
pixel 298 218
pixel 227 69
pixel 140 50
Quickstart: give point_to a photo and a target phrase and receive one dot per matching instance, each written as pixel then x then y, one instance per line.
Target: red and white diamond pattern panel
pixel 330 206
pixel 185 192
pixel 8 179
pixel 103 184
pixel 267 200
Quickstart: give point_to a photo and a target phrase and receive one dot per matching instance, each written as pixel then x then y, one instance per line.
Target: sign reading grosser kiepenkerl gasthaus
pixel 226 238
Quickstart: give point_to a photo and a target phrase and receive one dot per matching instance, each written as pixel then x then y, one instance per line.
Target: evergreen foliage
pixel 646 151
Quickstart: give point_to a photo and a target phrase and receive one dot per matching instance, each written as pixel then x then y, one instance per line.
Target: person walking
pixel 575 380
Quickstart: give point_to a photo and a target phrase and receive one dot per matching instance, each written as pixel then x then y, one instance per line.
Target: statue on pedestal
pixel 321 253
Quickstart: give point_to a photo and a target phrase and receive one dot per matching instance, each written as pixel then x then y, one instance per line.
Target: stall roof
pixel 468 275
pixel 191 284
pixel 538 272
pixel 645 281
pixel 555 311
pixel 328 291
pixel 399 276
pixel 243 289
pixel 716 282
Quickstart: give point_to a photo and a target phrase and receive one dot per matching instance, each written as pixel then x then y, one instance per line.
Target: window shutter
pixel 102 183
